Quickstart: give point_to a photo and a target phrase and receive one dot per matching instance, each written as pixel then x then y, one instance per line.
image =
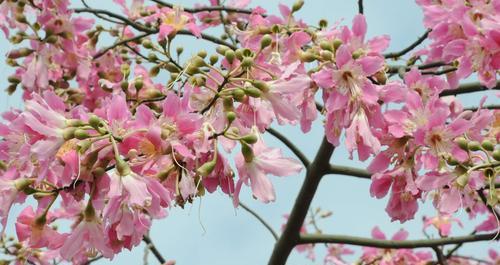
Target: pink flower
pixel 442 223
pixel 35 230
pixel 254 168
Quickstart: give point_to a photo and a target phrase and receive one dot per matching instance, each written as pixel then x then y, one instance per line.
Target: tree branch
pixel 301 156
pixel 349 171
pixel 395 244
pixel 261 220
pixel 122 42
pixel 468 88
pixel 394 69
pixel 360 7
pixel 153 249
pixel 290 236
pixel 409 48
pixel 207 8
pixel 440 257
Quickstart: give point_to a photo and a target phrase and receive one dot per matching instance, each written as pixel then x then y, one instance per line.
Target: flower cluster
pixel 104 144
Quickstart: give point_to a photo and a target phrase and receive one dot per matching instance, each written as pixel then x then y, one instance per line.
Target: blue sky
pixel 211 231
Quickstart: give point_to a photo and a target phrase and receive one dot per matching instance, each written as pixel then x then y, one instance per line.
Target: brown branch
pixel 440 257
pixel 301 156
pixel 491 107
pixel 468 88
pixel 207 8
pixel 290 236
pixel 360 7
pixel 261 220
pixel 153 249
pixel 394 244
pixel 394 69
pixel 349 171
pixel 409 48
pixel 122 42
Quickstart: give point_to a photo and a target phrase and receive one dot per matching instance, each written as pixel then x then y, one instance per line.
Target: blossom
pixel 254 168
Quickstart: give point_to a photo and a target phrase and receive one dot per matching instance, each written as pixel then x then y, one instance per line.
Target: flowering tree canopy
pixel 103 144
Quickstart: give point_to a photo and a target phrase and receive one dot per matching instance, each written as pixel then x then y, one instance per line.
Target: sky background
pixel 212 232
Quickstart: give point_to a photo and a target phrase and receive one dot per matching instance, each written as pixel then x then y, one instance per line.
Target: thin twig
pixel 360 7
pixel 394 244
pixel 409 48
pixel 468 88
pixel 440 257
pixel 261 220
pixel 153 249
pixel 301 156
pixel 122 42
pixel 350 171
pixel 207 8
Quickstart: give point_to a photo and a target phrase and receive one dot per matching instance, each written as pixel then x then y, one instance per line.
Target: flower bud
pixel 22 183
pixel 326 45
pixel 22 52
pixel 323 23
pixel 247 62
pixel 202 54
pixel 179 50
pixel 229 54
pixel 125 69
pixel 83 146
pixel 496 155
pixel 95 121
pixel 147 44
pixel 297 5
pixel 3 165
pixel 207 168
pixel 213 59
pixel 252 92
pixel 262 86
pixel 474 146
pixel 154 71
pixel 221 49
pixel 139 83
pixel 488 145
pixel 326 55
pixel 238 94
pixel 171 67
pixel 21 18
pixel 265 41
pixel 81 134
pixel 51 39
pixel 247 152
pixel 461 142
pixel 337 43
pixel 198 61
pixel 122 167
pixel 356 54
pixel 69 133
pixel 13 79
pixel 463 180
pixel 250 138
pixel 307 57
pixel 231 116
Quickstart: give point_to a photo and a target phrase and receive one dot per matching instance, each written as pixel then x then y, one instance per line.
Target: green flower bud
pixel 250 138
pixel 13 79
pixel 213 59
pixel 147 44
pixel 23 183
pixel 171 67
pixel 297 5
pixel 179 50
pixel 265 41
pixel 463 180
pixel 22 52
pixel 326 45
pixel 69 133
pixel 356 54
pixel 326 55
pixel 227 103
pixel 221 49
pixel 247 62
pixel 474 146
pixel 122 167
pixel 231 116
pixel 3 165
pixel 238 94
pixel 21 18
pixel 462 143
pixel 229 54
pixel 83 146
pixel 206 168
pixel 488 145
pixel 247 152
pixel 202 54
pixel 152 57
pixel 51 39
pixel 252 92
pixel 139 83
pixel 95 121
pixel 337 43
pixel 496 155
pixel 81 134
pixel 323 23
pixel 124 85
pixel 307 57
pixel 262 86
pixel 74 123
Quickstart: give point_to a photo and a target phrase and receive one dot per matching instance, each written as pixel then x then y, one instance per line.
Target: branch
pixel 290 236
pixel 93 260
pixel 349 171
pixel 261 220
pixel 439 254
pixel 360 7
pixel 409 48
pixel 207 8
pixel 301 156
pixel 394 69
pixel 468 88
pixel 122 42
pixel 492 107
pixel 153 249
pixel 394 244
